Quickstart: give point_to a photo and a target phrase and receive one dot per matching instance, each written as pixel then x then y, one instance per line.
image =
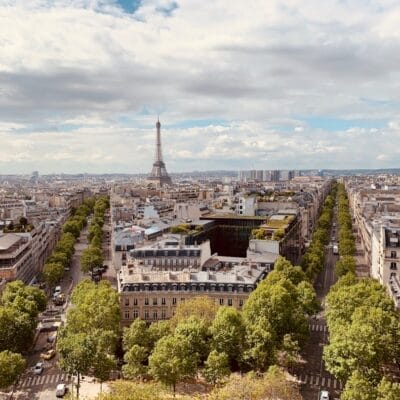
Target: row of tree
pixel 346 262
pixel 53 270
pixel 88 341
pixel 364 333
pixel 314 258
pixel 20 306
pixel 364 326
pixel 202 337
pixel 270 386
pixel 92 257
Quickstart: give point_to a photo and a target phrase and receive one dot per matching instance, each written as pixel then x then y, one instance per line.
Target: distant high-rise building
pixel 159 172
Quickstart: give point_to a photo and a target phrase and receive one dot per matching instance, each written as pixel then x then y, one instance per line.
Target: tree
pixel 12 365
pixel 359 387
pixel 195 331
pixel 290 352
pixel 53 273
pixel 135 359
pixel 368 344
pixel 388 390
pixel 228 334
pixel 91 258
pixel 273 385
pixel 23 222
pixel 59 257
pixel 76 353
pixel 216 367
pixel 83 318
pixel 123 390
pixel 17 289
pixel 345 265
pixel 136 334
pixel 171 360
pixel 72 227
pixel 202 307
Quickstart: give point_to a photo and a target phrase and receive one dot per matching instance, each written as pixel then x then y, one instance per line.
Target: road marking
pixel 323 381
pixel 334 383
pixel 329 382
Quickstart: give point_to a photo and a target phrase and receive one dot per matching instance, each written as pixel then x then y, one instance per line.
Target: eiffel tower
pixel 159 172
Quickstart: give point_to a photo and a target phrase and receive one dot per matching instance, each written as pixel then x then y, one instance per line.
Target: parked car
pixel 324 395
pixel 59 300
pixel 61 390
pixel 38 368
pixel 48 355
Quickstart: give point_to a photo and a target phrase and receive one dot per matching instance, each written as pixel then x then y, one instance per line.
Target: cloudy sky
pixel 238 85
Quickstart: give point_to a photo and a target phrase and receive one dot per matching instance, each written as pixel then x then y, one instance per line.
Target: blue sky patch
pixel 129 6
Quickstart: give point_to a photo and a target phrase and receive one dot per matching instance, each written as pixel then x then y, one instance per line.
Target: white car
pixel 61 390
pixel 324 395
pixel 38 368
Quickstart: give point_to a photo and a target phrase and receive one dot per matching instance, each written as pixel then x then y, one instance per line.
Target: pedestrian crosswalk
pixel 318 328
pixel 43 380
pixel 321 381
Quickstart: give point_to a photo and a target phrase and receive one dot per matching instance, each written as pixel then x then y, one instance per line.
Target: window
pixel 155 315
pixel 229 302
pixel 146 301
pixel 240 302
pixel 393 265
pixel 135 313
pixel 393 254
pixel 135 302
pixel 393 274
pixel 221 301
pixel 126 301
pixel 174 301
pixel 146 315
pixel 154 301
pixel 126 314
pixel 163 314
pixel 163 301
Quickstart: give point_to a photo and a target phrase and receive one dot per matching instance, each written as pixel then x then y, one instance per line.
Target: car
pixel 38 368
pixel 324 395
pixel 57 289
pixel 59 300
pixel 48 355
pixel 61 390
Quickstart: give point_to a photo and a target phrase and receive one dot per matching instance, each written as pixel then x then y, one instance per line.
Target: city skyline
pixel 269 86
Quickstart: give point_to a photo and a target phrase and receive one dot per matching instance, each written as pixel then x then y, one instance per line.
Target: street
pixel 43 386
pixel 312 374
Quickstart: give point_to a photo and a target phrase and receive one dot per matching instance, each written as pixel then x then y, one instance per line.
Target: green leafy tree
pixel 12 365
pixel 91 258
pixel 358 387
pixel 59 257
pixel 195 331
pixel 228 334
pixel 72 227
pixel 388 390
pixel 17 289
pixel 216 367
pixel 345 265
pixel 271 386
pixel 171 360
pixel 123 390
pixel 76 351
pixel 290 353
pixel 136 334
pixel 53 273
pixel 135 359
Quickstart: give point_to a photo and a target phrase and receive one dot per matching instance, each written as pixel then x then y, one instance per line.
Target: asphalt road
pixel 313 374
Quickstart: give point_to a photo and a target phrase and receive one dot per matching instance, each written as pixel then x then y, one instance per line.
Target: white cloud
pixel 81 82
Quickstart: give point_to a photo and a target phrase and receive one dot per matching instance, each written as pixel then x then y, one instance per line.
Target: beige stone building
pixel 153 295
